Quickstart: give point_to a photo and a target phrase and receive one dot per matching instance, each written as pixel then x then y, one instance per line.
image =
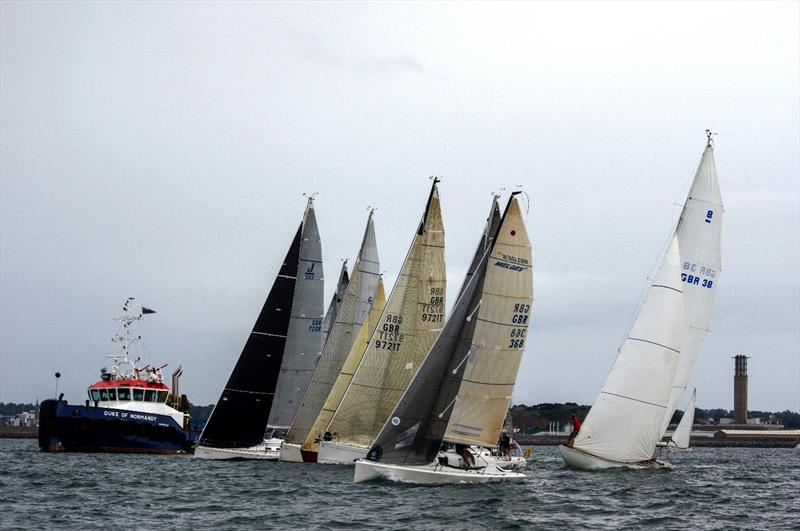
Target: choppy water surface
pixel 709 488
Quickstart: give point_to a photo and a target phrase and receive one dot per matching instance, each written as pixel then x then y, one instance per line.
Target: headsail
pixel 624 423
pixel 502 279
pixel 239 418
pixel 699 231
pixel 348 369
pixel 683 432
pixel 304 337
pixel 410 322
pixel 354 307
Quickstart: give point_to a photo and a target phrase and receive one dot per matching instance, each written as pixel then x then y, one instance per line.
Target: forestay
pixel 304 338
pixel 412 319
pixel 699 232
pixel 354 307
pixel 624 423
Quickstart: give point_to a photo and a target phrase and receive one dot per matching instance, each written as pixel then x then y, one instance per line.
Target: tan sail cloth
pixel 412 319
pixel 348 369
pixel 500 337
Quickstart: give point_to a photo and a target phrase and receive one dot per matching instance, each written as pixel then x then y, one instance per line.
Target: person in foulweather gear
pixel 466 455
pixel 505 444
pixel 576 427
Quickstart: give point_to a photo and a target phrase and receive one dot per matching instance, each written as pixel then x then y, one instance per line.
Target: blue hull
pixel 72 428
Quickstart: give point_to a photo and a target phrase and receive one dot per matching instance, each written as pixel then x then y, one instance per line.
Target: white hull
pixel 269 450
pixel 432 474
pixel 331 453
pixel 586 461
pixel 483 456
pixel 291 453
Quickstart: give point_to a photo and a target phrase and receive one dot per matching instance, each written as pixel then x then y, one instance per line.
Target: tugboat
pixel 130 410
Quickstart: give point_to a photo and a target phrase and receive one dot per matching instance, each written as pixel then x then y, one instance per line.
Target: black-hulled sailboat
pixel 290 320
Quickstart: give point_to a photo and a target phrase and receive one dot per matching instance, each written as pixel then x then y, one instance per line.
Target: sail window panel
pixel 138 393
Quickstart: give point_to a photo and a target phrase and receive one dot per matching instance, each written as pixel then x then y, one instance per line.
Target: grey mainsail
pixel 304 338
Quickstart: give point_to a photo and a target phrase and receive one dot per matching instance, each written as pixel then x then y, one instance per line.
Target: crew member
pixel 576 427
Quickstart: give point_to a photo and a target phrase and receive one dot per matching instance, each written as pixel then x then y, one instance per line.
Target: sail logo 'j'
pixel 310 272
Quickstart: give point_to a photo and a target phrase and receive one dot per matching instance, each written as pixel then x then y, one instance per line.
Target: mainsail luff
pixel 348 370
pixel 304 337
pixel 492 223
pixel 683 432
pixel 354 307
pixel 699 232
pixel 414 431
pixel 239 418
pixel 410 323
pixel 624 423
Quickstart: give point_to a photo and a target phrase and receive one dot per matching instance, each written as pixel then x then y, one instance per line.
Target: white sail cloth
pixel 624 423
pixel 683 432
pixel 699 232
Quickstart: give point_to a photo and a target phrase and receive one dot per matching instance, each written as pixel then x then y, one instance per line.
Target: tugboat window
pixel 112 394
pixel 95 395
pixel 103 394
pixel 138 393
pixel 162 396
pixel 150 395
pixel 124 393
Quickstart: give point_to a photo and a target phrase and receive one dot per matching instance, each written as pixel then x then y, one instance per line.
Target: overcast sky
pixel 161 150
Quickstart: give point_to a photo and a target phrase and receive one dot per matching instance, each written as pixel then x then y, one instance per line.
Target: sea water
pixel 710 488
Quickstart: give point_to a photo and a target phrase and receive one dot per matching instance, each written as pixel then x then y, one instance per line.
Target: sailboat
pixel 699 232
pixel 411 320
pixel 355 305
pixel 287 330
pixel 336 302
pixel 624 423
pixel 462 391
pixel 683 432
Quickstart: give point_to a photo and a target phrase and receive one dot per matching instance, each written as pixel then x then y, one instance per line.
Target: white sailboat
pixel 699 232
pixel 411 321
pixel 299 445
pixel 624 423
pixel 683 432
pixel 461 393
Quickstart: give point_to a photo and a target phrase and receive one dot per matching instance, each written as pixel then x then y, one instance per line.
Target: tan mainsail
pixel 348 369
pixel 500 336
pixel 412 319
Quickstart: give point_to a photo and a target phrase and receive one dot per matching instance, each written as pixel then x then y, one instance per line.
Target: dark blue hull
pixel 72 428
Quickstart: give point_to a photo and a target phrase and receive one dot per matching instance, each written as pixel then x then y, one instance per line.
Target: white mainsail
pixel 683 432
pixel 624 423
pixel 699 232
pixel 412 319
pixel 353 309
pixel 304 337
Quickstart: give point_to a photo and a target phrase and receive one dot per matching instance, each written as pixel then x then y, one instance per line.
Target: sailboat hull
pixel 585 461
pixel 268 450
pixel 432 474
pixel 331 453
pixel 291 453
